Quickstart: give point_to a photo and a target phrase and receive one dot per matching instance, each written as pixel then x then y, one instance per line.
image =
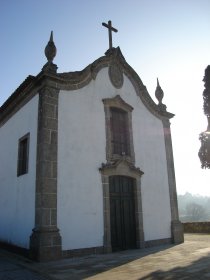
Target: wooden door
pixel 122 213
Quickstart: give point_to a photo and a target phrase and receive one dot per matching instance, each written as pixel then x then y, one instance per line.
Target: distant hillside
pixel 194 208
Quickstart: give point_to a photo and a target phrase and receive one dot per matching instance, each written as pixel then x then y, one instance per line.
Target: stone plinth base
pixel 45 245
pixel 177 232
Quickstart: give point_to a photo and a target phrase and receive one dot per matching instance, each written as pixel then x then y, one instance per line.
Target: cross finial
pixel 110 29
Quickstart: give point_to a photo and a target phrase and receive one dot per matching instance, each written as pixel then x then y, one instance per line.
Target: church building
pixel 86 162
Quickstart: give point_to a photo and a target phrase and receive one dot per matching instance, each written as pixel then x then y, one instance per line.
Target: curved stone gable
pixel 117 65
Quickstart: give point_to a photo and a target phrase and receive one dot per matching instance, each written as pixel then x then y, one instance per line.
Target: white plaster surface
pixel 81 150
pixel 17 194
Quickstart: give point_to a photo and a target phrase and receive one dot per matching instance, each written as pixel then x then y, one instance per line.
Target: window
pixel 119 132
pixel 23 155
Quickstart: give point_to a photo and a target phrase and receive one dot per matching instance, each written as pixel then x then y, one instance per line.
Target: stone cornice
pixel 117 101
pixel 142 92
pixel 19 91
pixel 20 97
pixel 24 93
pixel 77 80
pixel 121 167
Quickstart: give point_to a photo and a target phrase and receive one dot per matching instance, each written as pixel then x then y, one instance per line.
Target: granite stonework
pixel 45 241
pixel 125 168
pixel 176 226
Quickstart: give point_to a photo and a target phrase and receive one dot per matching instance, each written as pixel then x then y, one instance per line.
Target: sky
pixel 158 38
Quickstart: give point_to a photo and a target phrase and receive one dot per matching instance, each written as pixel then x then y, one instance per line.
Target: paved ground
pixel 190 260
pixel 12 269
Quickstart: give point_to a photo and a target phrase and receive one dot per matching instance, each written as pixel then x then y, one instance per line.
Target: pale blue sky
pixel 158 38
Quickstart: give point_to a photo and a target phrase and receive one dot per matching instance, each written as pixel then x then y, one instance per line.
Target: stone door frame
pixel 121 168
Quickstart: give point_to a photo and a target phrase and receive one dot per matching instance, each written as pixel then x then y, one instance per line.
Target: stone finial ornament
pixel 159 95
pixel 50 53
pixel 50 50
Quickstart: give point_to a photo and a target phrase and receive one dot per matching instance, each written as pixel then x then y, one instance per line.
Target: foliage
pixel 194 208
pixel 195 211
pixel 204 152
pixel 206 92
pixel 204 137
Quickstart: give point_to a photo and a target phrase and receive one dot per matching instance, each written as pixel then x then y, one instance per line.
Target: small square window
pixel 23 155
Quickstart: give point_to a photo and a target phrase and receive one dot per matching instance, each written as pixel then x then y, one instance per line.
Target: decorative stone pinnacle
pixel 159 92
pixel 159 95
pixel 50 50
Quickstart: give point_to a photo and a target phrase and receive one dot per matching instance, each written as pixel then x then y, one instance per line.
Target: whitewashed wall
pixel 17 194
pixel 81 150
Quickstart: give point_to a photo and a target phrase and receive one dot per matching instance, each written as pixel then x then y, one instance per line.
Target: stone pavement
pixel 190 260
pixel 12 269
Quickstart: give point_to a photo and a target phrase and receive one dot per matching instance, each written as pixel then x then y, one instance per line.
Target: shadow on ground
pixel 190 260
pixel 199 269
pixel 96 265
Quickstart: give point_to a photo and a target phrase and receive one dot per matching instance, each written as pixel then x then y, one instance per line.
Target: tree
pixel 204 137
pixel 195 212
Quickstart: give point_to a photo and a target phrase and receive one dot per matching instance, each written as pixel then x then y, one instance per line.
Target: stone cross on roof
pixel 110 29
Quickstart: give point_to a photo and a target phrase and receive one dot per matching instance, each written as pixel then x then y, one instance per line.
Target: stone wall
pixel 197 227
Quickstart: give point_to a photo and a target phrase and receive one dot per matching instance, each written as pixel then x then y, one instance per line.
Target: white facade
pixel 63 203
pixel 17 194
pixel 82 149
